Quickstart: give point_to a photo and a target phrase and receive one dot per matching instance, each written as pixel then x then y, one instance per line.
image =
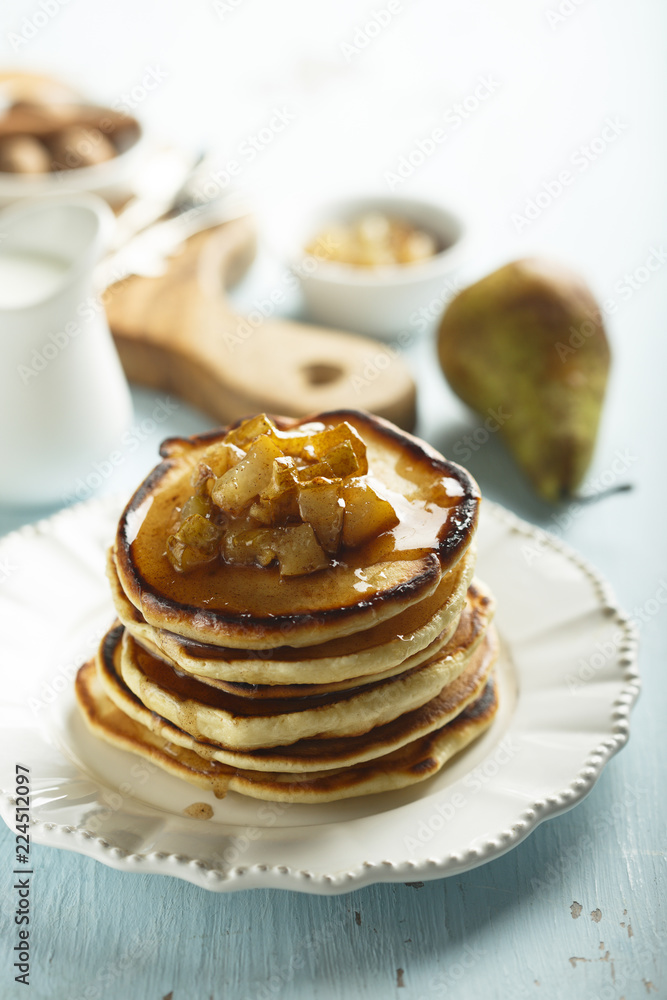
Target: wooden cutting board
pixel 179 333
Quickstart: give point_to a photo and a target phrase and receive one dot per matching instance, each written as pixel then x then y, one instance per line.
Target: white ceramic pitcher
pixel 64 401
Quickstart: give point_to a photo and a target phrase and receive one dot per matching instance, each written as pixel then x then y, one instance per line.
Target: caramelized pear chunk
pixel 198 504
pixel 276 510
pixel 196 542
pixel 239 486
pixel 321 444
pixel 342 460
pixel 202 480
pixel 366 514
pixel 223 456
pixel 248 546
pixel 319 470
pixel 251 429
pixel 322 507
pixel 283 478
pixel 296 548
pixel 344 434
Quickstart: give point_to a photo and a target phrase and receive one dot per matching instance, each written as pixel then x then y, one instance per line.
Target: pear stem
pixel 603 494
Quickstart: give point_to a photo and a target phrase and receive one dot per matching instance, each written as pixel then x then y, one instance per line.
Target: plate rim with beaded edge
pixel 556 728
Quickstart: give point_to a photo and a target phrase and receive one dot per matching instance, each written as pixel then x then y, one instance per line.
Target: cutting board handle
pixel 178 333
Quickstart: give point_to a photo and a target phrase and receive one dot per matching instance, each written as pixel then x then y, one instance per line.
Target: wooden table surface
pixel 578 909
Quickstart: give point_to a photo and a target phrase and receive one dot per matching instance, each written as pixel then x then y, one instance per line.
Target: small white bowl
pixel 384 301
pixel 111 180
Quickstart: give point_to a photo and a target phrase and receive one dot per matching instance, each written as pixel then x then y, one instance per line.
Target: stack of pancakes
pixel 363 677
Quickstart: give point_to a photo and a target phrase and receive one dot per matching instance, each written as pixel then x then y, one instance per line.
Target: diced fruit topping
pixel 366 514
pixel 234 491
pixel 196 542
pixel 322 507
pixel 266 496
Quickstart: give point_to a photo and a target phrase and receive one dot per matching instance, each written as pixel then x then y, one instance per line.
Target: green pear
pixel 528 341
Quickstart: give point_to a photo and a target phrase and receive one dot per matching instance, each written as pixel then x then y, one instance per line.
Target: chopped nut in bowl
pixel 375 240
pixel 369 264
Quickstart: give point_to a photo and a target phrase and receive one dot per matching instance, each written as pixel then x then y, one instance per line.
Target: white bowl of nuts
pixel 369 264
pixel 53 142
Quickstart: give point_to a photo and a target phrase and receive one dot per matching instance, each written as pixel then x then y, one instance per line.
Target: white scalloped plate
pixel 567 682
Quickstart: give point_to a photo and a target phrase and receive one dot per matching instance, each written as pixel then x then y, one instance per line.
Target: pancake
pixel 477 612
pixel 314 753
pixel 380 650
pixel 243 722
pixel 412 763
pixel 253 607
pixel 299 618
pixel 261 691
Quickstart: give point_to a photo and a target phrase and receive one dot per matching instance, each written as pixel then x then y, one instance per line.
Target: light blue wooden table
pixel 578 909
